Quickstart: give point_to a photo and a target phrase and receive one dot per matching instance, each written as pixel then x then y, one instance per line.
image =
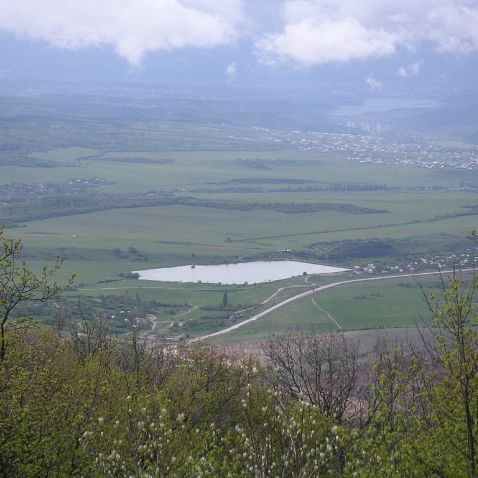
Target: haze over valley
pixel 238 220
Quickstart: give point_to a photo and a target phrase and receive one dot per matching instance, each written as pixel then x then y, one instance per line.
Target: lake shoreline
pixel 236 273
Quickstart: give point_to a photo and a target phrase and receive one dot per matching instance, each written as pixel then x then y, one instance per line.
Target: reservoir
pixel 380 105
pixel 250 272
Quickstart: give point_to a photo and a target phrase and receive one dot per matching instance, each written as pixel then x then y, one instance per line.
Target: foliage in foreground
pixel 121 409
pixel 127 412
pixel 84 404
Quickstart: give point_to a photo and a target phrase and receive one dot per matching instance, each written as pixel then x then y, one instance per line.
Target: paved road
pixel 310 292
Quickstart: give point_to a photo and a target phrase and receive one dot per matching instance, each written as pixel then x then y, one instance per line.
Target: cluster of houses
pixel 461 260
pixel 374 149
pixel 467 160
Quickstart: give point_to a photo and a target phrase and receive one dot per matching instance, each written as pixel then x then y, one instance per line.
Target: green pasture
pixel 204 166
pixel 390 303
pixel 194 300
pixel 212 164
pixel 170 235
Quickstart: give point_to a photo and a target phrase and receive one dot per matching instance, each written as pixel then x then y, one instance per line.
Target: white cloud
pixel 454 28
pixel 410 70
pixel 321 31
pixel 132 27
pixel 310 41
pixel 306 32
pixel 373 84
pixel 231 70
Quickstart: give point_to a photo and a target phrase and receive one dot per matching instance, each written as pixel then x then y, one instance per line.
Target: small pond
pixel 250 272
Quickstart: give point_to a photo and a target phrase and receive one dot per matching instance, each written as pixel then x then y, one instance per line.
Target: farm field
pixel 211 231
pixel 111 194
pixel 384 304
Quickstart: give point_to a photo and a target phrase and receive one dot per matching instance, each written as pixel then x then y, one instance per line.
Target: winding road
pixel 310 292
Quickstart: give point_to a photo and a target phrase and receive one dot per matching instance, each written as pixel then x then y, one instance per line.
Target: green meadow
pixel 391 303
pixel 179 193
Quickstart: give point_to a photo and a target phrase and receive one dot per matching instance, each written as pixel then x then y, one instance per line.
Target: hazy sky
pixel 233 39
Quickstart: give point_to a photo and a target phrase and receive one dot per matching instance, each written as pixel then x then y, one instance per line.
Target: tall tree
pixel 321 368
pixel 18 283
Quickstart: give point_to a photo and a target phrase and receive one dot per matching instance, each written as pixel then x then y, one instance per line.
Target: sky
pixel 240 41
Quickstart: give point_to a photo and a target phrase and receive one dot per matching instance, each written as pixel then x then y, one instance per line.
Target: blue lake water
pixel 377 105
pixel 250 272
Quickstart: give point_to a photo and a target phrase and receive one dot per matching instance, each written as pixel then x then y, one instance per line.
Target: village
pixel 461 260
pixel 374 149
